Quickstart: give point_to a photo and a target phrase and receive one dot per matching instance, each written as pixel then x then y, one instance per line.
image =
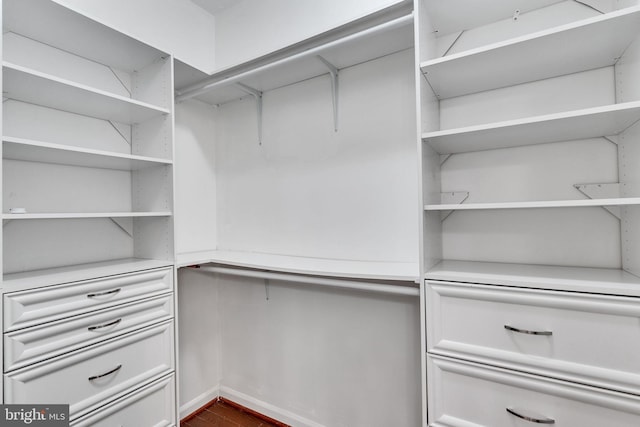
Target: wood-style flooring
pixel 223 413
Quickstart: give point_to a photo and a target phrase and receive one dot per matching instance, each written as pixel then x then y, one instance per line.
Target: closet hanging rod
pixel 313 280
pixel 214 82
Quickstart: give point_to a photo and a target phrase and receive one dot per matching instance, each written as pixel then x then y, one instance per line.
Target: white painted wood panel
pixel 32 345
pixel 466 394
pixel 140 357
pixel 579 124
pixel 34 87
pixel 470 322
pixel 537 56
pixel 591 280
pixel 40 305
pixel 152 405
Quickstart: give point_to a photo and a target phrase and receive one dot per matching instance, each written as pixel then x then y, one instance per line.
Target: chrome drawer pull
pixel 100 294
pixel 104 325
pixel 531 419
pixel 113 371
pixel 525 331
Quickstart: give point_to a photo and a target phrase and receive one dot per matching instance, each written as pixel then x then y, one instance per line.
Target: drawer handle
pixel 104 325
pixel 528 332
pixel 100 294
pixel 531 419
pixel 113 371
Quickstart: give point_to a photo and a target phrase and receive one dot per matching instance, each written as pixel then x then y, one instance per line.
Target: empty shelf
pixel 588 123
pixel 79 215
pixel 24 84
pixel 540 204
pixel 376 270
pixel 38 151
pixel 580 279
pixel 584 45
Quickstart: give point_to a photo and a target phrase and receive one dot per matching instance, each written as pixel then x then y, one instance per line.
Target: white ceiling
pixel 215 6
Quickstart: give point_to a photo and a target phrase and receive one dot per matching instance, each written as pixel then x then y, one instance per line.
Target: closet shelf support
pixel 333 73
pixel 451 198
pixel 603 191
pixel 257 95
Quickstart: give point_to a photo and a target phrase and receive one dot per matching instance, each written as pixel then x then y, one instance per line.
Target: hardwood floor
pixel 223 413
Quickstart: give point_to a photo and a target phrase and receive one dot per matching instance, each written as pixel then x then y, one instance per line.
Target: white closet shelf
pixel 580 279
pixel 540 204
pixel 375 42
pixel 580 46
pixel 80 215
pixel 27 85
pixel 77 34
pixel 45 152
pixel 74 273
pixel 374 270
pixel 566 126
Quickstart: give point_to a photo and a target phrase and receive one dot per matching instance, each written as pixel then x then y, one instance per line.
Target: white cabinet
pixel 87 208
pixel 87 142
pixel 531 211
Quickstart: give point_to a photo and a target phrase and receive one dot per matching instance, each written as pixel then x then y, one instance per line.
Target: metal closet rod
pixel 211 83
pixel 313 280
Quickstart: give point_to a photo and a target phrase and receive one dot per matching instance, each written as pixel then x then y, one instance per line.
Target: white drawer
pixel 93 376
pixel 152 405
pixel 464 394
pixel 31 345
pixel 40 305
pixel 594 339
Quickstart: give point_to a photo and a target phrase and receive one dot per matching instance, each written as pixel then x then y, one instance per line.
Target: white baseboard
pixel 267 409
pixel 197 403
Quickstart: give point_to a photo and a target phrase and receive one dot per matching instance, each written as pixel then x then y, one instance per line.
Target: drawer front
pixel 153 405
pixel 36 306
pixel 593 339
pixel 31 345
pixel 93 376
pixel 464 394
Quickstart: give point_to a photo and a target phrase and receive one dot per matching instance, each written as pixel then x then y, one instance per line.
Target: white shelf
pixel 80 215
pixel 74 273
pixel 27 85
pixel 38 151
pixel 579 124
pixel 77 34
pixel 375 42
pixel 584 45
pixel 579 279
pixel 540 204
pixel 372 270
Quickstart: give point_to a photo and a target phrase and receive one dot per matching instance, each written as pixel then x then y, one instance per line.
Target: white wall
pixel 310 191
pixel 313 356
pixel 178 27
pixel 199 340
pixel 195 177
pixel 253 28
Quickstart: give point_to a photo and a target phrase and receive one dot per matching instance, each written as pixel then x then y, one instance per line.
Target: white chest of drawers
pixel 528 353
pixel 104 346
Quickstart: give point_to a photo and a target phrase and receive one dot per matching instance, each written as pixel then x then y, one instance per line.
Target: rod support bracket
pixel 334 74
pixel 257 95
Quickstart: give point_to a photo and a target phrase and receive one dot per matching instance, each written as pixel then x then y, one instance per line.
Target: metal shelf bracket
pixel 334 73
pixel 602 191
pixel 125 224
pixel 451 198
pixel 257 95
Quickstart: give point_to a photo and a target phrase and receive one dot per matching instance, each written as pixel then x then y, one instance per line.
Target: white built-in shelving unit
pixel 87 209
pixel 530 123
pixel 113 169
